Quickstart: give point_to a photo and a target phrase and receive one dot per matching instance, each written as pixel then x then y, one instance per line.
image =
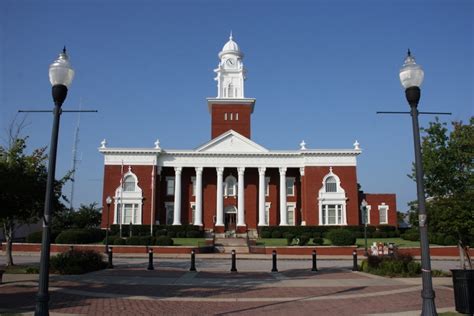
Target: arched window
pixel 129 184
pixel 331 184
pixel 230 93
pixel 230 186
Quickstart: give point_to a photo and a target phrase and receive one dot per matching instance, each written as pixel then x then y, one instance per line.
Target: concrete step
pixel 228 242
pixel 227 249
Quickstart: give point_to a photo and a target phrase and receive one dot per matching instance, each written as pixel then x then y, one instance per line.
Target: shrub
pixel 140 240
pixel 289 239
pixel 164 241
pixel 341 237
pixel 119 241
pixel 35 237
pixel 171 234
pixel 317 234
pixel 77 262
pixel 277 234
pixel 450 241
pixel 161 232
pixel 412 234
pixel 80 236
pixel 318 241
pixel 303 240
pixel 398 265
pixel 414 268
pixel 266 234
pixel 193 234
pixel 181 234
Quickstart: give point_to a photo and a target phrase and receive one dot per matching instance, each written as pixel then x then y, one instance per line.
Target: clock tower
pixel 230 109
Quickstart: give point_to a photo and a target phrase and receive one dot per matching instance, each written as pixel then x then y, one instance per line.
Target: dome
pixel 231 47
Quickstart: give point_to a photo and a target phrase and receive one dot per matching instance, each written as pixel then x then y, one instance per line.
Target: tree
pixel 448 162
pixel 87 216
pixel 22 188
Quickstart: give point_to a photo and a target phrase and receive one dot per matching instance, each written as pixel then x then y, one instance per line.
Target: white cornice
pixel 228 101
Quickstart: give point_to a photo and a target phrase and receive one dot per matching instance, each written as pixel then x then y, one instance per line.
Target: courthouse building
pixel 231 185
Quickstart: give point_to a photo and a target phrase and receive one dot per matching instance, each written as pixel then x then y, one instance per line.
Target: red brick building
pixel 232 185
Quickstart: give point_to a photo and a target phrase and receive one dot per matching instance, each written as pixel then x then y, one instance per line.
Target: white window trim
pixel 171 206
pixel 369 207
pixel 267 186
pixel 167 186
pixel 332 198
pixel 292 205
pixel 293 179
pixel 385 207
pixel 268 206
pixel 128 197
pixel 193 186
pixel 192 205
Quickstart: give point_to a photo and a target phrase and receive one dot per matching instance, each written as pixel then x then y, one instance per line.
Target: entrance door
pixel 230 221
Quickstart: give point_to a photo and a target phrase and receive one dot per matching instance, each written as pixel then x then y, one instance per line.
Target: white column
pixel 220 198
pixel 283 213
pixel 241 198
pixel 177 196
pixel 261 197
pixel 198 211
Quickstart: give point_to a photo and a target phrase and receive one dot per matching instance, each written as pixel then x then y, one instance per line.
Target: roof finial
pixel 230 37
pixel 64 49
pixel 409 53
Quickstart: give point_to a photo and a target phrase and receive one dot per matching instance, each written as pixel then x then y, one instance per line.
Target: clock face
pixel 230 62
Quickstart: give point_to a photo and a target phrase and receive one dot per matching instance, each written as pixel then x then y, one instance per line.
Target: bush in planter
pixel 77 262
pixel 164 241
pixel 289 239
pixel 318 241
pixel 119 241
pixel 277 234
pixel 303 240
pixel 341 237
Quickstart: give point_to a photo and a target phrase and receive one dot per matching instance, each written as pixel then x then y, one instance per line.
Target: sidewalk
pixel 171 289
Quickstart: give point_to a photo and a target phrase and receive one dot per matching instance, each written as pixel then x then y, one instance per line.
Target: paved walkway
pixel 171 289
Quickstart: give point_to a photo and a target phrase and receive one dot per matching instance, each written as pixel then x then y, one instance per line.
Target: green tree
pixel 22 188
pixel 87 216
pixel 448 162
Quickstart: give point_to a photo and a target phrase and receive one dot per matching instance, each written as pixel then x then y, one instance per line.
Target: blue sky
pixel 318 69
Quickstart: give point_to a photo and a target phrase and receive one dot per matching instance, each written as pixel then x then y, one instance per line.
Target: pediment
pixel 231 142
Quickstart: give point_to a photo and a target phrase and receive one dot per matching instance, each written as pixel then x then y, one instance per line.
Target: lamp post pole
pixel 108 201
pixel 411 77
pixel 61 75
pixel 365 221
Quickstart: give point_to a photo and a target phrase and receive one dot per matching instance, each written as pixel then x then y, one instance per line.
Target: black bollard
pixel 233 268
pixel 150 259
pixel 315 267
pixel 71 248
pixel 193 261
pixel 354 257
pixel 274 259
pixel 109 264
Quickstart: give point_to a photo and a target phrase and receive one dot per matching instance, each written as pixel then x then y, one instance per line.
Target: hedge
pixel 80 236
pixel 164 241
pixel 158 230
pixel 36 237
pixel 320 231
pixel 341 237
pixel 77 262
pixel 397 265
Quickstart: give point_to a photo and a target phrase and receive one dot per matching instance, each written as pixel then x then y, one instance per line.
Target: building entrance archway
pixel 230 219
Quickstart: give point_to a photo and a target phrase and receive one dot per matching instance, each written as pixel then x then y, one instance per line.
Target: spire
pixel 230 37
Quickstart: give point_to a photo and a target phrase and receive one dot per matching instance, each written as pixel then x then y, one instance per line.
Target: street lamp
pixel 411 78
pixel 365 220
pixel 108 201
pixel 60 76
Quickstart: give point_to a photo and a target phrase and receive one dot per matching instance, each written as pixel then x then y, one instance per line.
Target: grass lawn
pixel 188 241
pixel 22 269
pixel 276 242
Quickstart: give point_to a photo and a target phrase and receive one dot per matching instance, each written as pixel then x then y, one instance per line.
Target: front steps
pixel 226 245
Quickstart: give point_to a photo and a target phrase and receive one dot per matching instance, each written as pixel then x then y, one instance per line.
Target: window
pixel 169 213
pixel 290 186
pixel 290 210
pixel 193 189
pixel 231 116
pixel 129 184
pixel 169 185
pixel 236 116
pixel 230 94
pixel 383 216
pixel 230 186
pixel 331 184
pixel 193 213
pixel 225 116
pixel 267 186
pixel 332 214
pixel 267 213
pixel 131 213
